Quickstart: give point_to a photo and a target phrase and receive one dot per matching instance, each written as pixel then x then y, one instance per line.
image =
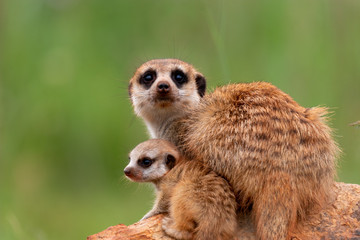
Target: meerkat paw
pixel 169 229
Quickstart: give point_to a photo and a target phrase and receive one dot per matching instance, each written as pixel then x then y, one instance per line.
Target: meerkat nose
pixel 163 87
pixel 127 172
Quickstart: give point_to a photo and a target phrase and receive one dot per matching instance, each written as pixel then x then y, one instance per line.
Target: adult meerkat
pixel 200 204
pixel 278 156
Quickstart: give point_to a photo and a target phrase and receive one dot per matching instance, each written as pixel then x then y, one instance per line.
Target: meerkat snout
pixel 164 93
pixel 127 172
pixel 133 174
pixel 163 87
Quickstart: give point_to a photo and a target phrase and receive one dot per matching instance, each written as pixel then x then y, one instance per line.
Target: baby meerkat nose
pixel 127 172
pixel 163 87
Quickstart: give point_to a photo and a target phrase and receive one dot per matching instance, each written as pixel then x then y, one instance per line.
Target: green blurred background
pixel 65 118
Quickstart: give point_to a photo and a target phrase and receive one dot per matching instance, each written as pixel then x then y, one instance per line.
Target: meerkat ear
pixel 200 84
pixel 170 161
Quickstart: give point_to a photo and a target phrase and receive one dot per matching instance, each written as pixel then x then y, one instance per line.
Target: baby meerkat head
pixel 151 160
pixel 165 86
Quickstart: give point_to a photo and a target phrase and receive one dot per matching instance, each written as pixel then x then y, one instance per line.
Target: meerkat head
pixel 162 88
pixel 151 160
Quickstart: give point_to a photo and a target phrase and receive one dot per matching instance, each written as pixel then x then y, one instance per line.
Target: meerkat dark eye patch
pixel 148 78
pixel 179 77
pixel 145 162
pixel 200 84
pixel 170 161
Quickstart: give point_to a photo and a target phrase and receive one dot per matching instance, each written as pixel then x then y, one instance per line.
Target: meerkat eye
pixel 145 162
pixel 178 77
pixel 148 78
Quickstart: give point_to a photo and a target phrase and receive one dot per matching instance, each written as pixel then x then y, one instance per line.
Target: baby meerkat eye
pixel 148 78
pixel 179 77
pixel 145 162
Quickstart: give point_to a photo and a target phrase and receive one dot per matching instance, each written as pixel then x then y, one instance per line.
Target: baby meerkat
pixel 278 156
pixel 199 203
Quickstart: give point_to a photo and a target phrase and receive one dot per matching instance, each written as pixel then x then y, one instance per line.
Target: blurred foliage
pixel 66 122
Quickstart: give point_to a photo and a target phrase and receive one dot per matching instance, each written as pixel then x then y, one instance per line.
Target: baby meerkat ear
pixel 170 161
pixel 200 84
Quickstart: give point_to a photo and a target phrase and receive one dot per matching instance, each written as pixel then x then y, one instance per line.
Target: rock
pixel 339 220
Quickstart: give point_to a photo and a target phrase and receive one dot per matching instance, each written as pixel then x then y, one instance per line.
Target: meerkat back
pixel 278 156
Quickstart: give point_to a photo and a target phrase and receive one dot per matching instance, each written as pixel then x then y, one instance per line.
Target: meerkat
pixel 199 203
pixel 278 156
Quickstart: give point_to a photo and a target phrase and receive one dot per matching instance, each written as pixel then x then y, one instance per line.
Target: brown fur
pixel 278 157
pixel 201 205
